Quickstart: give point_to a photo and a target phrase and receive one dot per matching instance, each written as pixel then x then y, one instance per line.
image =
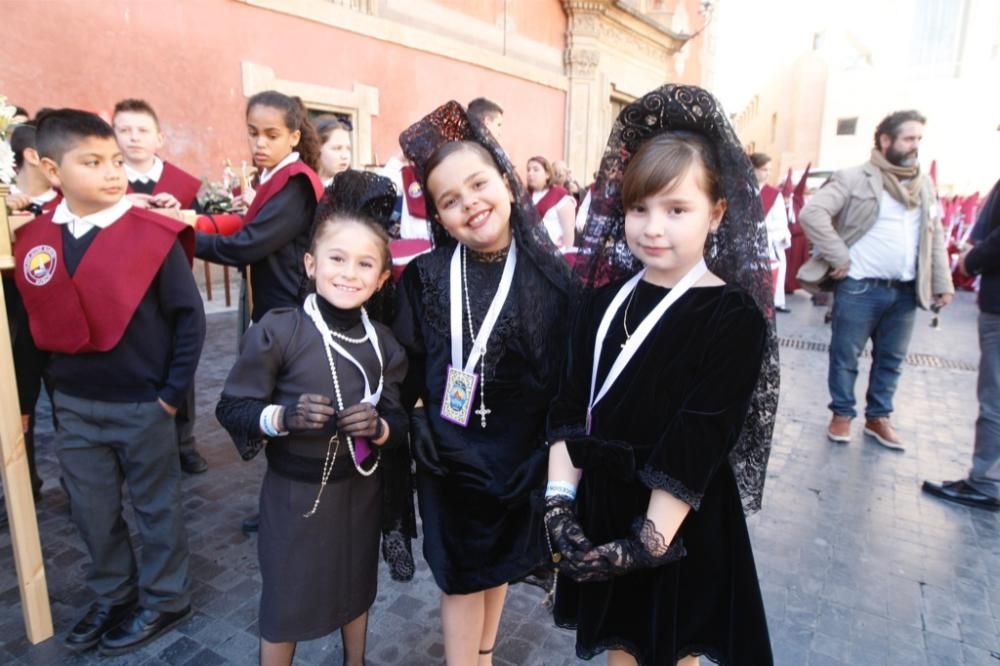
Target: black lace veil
pixel 737 252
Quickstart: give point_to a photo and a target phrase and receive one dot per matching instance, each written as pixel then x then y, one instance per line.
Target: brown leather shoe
pixel 881 429
pixel 839 430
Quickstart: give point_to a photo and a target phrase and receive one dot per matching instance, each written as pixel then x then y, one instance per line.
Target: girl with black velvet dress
pixel 479 438
pixel 318 388
pixel 664 415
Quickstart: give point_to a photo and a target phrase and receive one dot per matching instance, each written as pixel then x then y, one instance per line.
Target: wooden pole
pixel 16 480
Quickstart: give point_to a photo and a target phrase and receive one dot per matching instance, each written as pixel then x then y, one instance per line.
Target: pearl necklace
pixel 334 442
pixel 353 341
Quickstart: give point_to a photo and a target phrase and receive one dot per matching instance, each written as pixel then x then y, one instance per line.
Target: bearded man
pixel 877 234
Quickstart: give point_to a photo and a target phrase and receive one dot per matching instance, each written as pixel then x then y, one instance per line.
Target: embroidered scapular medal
pixel 462 381
pixel 459 392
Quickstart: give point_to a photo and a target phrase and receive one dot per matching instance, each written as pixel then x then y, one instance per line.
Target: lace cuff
pixel 654 550
pixel 241 419
pixel 654 479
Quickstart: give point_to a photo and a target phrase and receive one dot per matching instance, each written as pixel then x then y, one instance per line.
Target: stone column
pixel 587 89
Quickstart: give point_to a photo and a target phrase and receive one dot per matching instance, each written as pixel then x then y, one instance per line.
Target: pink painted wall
pixel 184 57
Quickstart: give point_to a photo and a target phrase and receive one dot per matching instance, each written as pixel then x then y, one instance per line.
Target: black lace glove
pixel 311 412
pixel 360 420
pixel 646 549
pixel 422 443
pixel 566 538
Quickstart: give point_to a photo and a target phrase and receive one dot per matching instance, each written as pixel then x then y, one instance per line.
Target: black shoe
pixel 99 618
pixel 192 462
pixel 143 626
pixel 251 524
pixel 781 308
pixel 961 492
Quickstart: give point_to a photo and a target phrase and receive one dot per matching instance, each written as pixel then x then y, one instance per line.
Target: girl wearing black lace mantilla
pixel 479 440
pixel 655 447
pixel 318 389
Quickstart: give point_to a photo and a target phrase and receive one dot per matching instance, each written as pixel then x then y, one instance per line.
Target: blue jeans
pixel 985 473
pixel 864 309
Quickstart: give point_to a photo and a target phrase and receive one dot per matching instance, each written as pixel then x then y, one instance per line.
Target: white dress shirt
pixel 889 249
pixel 551 218
pixel 153 175
pixel 80 226
pixel 266 174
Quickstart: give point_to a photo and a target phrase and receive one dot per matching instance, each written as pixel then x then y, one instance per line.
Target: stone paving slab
pixel 856 565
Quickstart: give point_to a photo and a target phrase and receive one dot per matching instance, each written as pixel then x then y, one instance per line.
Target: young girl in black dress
pixel 479 440
pixel 671 374
pixel 318 388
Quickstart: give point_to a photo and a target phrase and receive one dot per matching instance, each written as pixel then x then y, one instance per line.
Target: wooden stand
pixel 16 481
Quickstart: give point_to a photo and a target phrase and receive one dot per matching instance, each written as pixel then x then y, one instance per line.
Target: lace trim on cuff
pixel 654 479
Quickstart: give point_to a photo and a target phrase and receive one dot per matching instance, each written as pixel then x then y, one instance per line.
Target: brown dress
pixel 321 572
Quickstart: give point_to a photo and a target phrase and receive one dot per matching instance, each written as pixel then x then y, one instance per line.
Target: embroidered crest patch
pixel 414 190
pixel 40 265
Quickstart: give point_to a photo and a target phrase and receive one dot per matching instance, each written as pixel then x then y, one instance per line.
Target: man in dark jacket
pixel 982 487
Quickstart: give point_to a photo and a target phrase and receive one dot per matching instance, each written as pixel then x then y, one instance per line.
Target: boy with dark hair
pixel 109 292
pixel 489 114
pixel 156 183
pixel 137 129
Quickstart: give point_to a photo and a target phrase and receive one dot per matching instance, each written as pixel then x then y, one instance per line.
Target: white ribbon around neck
pixel 633 343
pixel 492 314
pixel 312 309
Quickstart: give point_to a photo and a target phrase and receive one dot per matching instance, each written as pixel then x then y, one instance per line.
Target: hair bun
pixel 359 194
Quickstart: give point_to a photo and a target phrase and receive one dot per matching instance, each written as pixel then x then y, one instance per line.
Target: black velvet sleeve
pixel 250 384
pixel 406 328
pixel 181 305
pixel 277 223
pixel 699 437
pixel 567 417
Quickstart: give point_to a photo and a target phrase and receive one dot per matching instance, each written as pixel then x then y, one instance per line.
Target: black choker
pixel 489 257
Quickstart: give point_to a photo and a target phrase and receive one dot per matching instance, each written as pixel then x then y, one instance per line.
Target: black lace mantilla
pixel 398 555
pixel 737 252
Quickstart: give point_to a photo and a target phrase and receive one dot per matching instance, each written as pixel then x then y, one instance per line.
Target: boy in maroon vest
pixel 156 183
pixel 163 185
pixel 109 293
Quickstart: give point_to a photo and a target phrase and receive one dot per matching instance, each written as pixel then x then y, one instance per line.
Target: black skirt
pixel 321 572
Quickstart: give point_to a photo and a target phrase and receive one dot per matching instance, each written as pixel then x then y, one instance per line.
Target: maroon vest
pixel 768 195
pixel 415 202
pixel 277 182
pixel 551 198
pixel 177 182
pixel 227 224
pixel 90 310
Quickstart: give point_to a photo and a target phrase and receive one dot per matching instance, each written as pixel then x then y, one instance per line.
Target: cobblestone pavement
pixel 857 566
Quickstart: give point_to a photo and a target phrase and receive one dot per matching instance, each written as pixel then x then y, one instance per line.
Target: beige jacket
pixel 845 208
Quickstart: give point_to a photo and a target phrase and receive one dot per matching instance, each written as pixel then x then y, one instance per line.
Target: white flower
pixel 6 163
pixel 7 112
